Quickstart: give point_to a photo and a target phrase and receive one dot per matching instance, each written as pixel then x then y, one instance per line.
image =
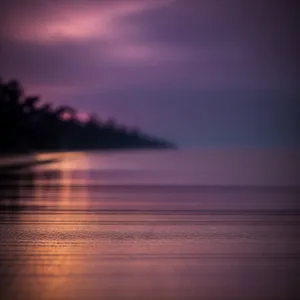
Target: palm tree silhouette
pixel 14 91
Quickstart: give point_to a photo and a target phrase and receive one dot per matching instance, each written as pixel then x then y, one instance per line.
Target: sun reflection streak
pixel 63 178
pixel 54 243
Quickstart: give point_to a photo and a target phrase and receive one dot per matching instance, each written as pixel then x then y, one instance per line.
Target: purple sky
pixel 200 72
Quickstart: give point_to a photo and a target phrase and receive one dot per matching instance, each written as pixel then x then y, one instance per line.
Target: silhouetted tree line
pixel 26 126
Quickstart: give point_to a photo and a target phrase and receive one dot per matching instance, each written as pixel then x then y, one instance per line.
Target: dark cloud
pixel 256 34
pixel 253 42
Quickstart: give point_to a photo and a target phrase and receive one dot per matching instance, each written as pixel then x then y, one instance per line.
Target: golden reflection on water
pixel 61 179
pixel 47 255
pixel 83 243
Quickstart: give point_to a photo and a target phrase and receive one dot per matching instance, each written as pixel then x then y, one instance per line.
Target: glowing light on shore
pixel 83 117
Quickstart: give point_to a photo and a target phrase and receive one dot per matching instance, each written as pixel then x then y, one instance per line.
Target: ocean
pixel 180 224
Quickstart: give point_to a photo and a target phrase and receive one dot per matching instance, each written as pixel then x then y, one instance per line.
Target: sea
pixel 160 224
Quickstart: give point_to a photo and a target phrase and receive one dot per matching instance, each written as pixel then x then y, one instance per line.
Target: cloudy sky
pixel 199 72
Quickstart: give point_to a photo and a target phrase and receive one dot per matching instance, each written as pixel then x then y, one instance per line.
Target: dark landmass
pixel 12 167
pixel 27 126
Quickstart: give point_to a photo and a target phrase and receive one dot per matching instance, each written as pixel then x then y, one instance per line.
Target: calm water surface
pixel 152 225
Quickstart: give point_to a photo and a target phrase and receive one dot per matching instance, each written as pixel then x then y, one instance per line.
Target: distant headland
pixel 26 125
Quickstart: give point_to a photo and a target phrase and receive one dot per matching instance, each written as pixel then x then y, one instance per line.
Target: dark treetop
pixel 26 125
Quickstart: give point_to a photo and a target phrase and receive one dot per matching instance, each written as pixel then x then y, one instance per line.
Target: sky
pixel 198 72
